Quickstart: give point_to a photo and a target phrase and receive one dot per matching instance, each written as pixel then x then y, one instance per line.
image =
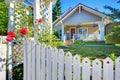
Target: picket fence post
pixel 54 64
pixel 96 70
pixel 117 69
pixel 85 69
pixel 76 68
pixel 3 54
pixel 61 65
pixel 29 54
pixel 108 69
pixel 48 60
pixel 68 66
pixel 43 62
pixel 38 62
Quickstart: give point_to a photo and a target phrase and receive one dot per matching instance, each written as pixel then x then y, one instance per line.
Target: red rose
pixel 9 39
pixel 11 34
pixel 23 31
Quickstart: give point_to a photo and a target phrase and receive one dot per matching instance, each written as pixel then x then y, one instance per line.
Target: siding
pixel 82 17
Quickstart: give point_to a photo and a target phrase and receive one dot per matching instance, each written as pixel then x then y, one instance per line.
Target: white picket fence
pixel 45 63
pixel 3 53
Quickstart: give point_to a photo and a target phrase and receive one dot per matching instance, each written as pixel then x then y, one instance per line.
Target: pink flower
pixel 11 34
pixel 23 31
pixel 9 39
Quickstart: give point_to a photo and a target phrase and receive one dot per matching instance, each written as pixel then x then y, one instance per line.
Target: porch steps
pixel 68 42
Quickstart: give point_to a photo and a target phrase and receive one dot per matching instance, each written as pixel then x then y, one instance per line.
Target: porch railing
pixel 79 36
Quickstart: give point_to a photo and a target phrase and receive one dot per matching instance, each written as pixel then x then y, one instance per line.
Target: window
pixel 83 32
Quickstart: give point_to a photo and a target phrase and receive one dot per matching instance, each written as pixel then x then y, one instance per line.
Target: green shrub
pixel 18 72
pixel 114 37
pixel 112 56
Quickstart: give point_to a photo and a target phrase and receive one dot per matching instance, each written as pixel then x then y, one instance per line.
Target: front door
pixel 72 31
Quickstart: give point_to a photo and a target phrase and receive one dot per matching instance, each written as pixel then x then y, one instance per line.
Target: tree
pixel 115 13
pixel 114 36
pixel 3 18
pixel 57 10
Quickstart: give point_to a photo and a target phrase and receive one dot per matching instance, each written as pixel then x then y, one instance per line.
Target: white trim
pixel 62 15
pixel 70 31
pixel 80 9
pixel 67 15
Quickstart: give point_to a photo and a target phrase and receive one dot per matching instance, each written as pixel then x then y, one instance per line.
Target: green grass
pixel 94 51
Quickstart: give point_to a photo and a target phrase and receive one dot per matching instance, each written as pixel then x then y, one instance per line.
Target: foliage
pixel 57 10
pixel 3 18
pixel 56 33
pixel 115 13
pixel 18 72
pixel 49 39
pixel 114 36
pixel 112 56
pixel 23 20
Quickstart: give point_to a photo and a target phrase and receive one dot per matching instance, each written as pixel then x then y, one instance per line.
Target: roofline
pixel 98 13
pixel 62 15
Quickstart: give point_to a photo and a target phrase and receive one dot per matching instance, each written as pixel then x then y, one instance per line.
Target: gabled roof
pixel 72 10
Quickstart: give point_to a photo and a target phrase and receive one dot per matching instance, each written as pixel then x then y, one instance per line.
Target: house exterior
pixel 81 23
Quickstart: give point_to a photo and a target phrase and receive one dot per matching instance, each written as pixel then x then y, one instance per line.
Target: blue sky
pixel 65 4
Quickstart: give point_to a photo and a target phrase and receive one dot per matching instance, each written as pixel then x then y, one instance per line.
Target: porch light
pixel 78 26
pixel 94 25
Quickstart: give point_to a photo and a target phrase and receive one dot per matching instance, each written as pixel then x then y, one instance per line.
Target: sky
pixel 65 4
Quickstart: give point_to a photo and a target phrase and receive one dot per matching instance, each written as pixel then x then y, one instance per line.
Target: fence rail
pixel 42 62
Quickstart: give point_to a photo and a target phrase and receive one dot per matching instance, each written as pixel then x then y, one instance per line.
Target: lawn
pixel 95 51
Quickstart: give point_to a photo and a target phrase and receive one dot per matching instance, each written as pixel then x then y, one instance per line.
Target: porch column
pixel 101 28
pixel 62 31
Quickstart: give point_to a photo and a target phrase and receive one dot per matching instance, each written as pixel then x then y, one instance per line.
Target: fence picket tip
pixel 61 50
pixel 76 55
pixel 43 45
pixel 49 47
pixel 55 49
pixel 107 59
pixel 68 54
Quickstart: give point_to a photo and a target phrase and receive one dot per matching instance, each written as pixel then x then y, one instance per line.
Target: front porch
pixel 86 32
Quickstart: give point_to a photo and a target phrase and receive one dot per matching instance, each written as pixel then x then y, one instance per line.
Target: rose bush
pixel 9 39
pixel 11 34
pixel 23 31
